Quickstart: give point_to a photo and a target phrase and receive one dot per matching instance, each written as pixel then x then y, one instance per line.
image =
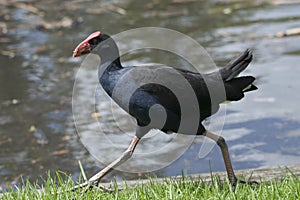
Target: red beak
pixel 82 49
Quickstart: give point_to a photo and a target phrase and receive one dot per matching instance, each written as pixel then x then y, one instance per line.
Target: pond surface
pixel 37 75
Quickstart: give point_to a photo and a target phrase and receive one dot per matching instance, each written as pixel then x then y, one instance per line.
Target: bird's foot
pixel 90 184
pixel 236 180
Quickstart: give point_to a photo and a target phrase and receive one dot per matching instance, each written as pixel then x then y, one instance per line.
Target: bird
pixel 141 92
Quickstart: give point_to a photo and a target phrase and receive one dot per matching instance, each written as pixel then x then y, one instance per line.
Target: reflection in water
pixel 37 132
pixel 269 141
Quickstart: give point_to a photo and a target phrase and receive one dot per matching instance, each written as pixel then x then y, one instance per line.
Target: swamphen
pixel 142 103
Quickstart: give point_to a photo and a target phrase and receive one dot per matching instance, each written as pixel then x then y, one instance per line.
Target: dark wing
pixel 173 87
pixel 178 89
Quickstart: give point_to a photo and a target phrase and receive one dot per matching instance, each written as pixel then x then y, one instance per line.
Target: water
pixel 37 131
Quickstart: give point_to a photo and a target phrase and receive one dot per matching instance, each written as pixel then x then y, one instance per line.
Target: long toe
pixel 251 183
pixel 90 185
pixel 248 182
pixel 105 189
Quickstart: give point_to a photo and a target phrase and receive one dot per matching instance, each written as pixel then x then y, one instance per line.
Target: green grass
pixel 287 188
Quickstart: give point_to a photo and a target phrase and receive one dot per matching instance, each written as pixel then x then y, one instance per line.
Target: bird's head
pixel 90 43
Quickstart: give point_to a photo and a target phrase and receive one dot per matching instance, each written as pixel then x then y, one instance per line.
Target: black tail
pixel 235 88
pixel 236 66
pixel 243 83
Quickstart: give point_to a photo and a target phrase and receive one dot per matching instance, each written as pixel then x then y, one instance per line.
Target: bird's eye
pixel 94 41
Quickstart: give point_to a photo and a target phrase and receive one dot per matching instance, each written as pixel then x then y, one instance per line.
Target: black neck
pixel 110 63
pixel 109 53
pixel 111 58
